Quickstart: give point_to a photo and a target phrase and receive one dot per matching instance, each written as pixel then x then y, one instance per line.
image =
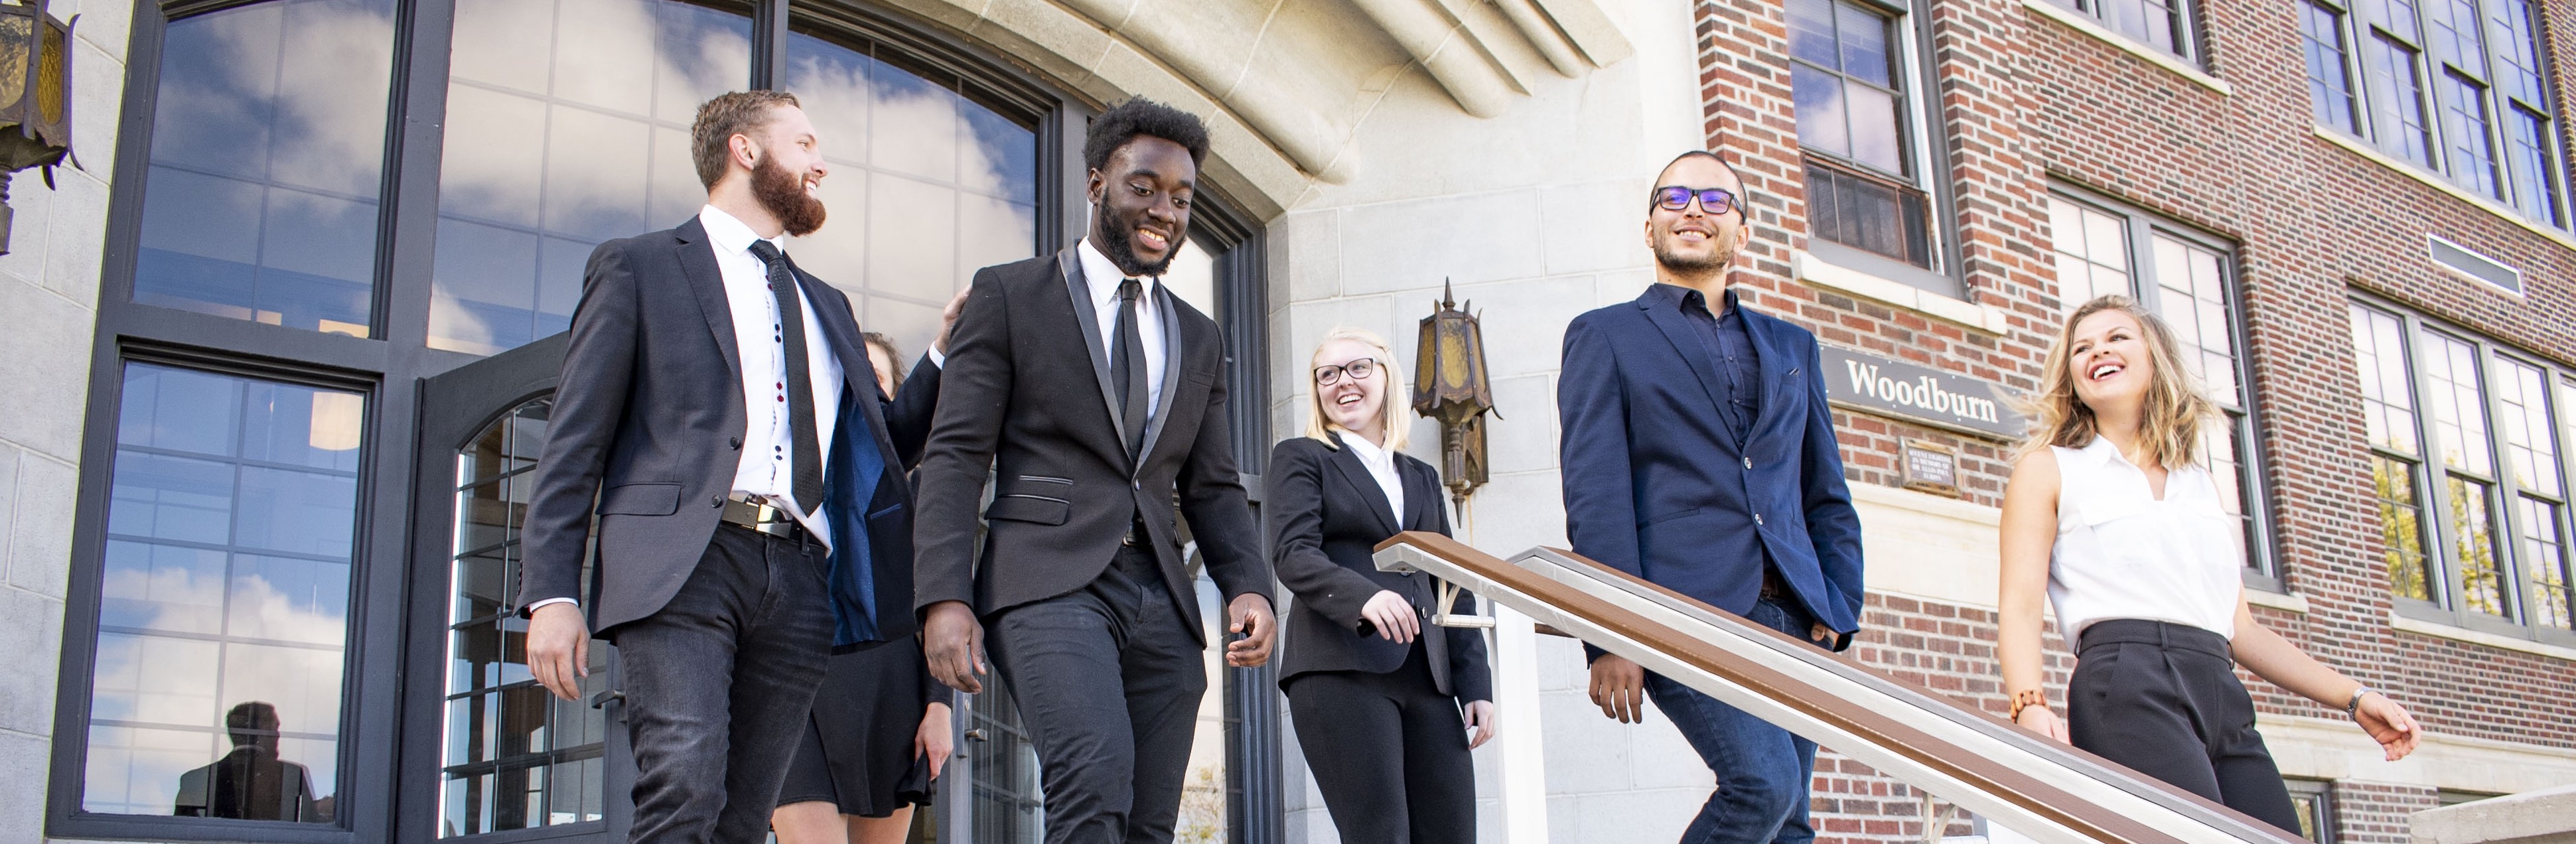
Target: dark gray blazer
pixel 649 422
pixel 1026 393
pixel 1327 515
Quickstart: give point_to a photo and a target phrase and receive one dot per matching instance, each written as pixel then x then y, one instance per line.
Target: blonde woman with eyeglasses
pixel 2111 514
pixel 1382 702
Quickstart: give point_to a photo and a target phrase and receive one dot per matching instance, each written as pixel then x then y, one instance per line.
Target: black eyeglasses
pixel 1359 370
pixel 1711 200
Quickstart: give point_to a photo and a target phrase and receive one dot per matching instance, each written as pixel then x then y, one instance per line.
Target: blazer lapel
pixel 1356 475
pixel 1779 365
pixel 1069 262
pixel 1172 365
pixel 1421 497
pixel 1693 353
pixel 698 263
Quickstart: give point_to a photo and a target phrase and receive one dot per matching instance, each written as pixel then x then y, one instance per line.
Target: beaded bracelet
pixel 2026 699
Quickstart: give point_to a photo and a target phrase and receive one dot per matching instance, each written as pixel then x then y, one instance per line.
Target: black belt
pixel 1136 536
pixel 1773 588
pixel 755 513
pixel 2162 634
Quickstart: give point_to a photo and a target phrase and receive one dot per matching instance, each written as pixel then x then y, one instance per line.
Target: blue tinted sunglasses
pixel 1711 200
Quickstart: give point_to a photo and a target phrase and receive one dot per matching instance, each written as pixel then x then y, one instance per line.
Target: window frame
pixel 2188 44
pixel 2363 21
pixel 374 786
pixel 1928 153
pixel 2505 519
pixel 2139 228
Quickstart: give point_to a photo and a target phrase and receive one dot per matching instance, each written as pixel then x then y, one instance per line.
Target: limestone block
pixel 22 797
pixel 1586 753
pixel 1618 286
pixel 1524 438
pixel 1642 815
pixel 40 537
pixel 1055 42
pixel 1306 253
pixel 1560 665
pixel 108 24
pixel 1524 322
pixel 30 224
pixel 47 378
pixel 32 639
pixel 1414 244
pixel 98 94
pixel 75 243
pixel 1594 226
pixel 2533 817
pixel 1512 512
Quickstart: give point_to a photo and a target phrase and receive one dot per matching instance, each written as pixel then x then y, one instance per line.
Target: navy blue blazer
pixel 1658 487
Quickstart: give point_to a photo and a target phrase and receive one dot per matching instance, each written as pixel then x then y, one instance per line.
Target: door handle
pixel 976 734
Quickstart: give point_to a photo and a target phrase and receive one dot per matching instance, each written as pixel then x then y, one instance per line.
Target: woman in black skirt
pixel 1382 701
pixel 880 731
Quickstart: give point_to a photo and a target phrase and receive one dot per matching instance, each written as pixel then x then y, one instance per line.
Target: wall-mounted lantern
pixel 1449 386
pixel 35 96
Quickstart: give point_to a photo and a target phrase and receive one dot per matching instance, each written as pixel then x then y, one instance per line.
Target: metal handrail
pixel 2025 783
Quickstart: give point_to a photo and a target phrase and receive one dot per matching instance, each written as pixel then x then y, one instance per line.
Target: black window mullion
pixel 416 144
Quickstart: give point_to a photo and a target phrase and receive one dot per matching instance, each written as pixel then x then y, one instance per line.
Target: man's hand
pixel 1480 717
pixel 933 742
pixel 948 318
pixel 1249 614
pixel 559 649
pixel 1619 688
pixel 1393 616
pixel 953 642
pixel 1821 635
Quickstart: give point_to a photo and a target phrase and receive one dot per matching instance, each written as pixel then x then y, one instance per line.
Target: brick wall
pixel 2024 100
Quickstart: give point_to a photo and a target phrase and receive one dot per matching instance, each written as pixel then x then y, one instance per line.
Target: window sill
pixel 1819 272
pixel 2277 600
pixel 2361 148
pixel 2168 61
pixel 2479 637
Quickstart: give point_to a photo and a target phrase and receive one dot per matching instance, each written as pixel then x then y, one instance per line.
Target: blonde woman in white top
pixel 2110 514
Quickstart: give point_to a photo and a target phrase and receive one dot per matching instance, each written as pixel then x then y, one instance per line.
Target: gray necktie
pixel 808 444
pixel 1126 363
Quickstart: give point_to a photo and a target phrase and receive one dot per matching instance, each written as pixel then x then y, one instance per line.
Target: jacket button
pixel 1748 463
pixel 1757 519
pixel 736 442
pixel 717 501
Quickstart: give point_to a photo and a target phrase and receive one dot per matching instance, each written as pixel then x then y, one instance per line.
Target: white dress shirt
pixel 768 465
pixel 1381 465
pixel 2123 553
pixel 1103 277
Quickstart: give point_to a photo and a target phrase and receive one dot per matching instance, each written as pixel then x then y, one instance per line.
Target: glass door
pixel 489 754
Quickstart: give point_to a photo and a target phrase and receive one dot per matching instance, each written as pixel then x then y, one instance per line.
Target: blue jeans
pixel 1762 771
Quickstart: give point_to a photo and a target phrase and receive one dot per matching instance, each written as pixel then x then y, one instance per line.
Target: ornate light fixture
pixel 1450 386
pixel 35 96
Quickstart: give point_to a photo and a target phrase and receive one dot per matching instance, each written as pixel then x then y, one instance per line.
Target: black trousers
pixel 1107 680
pixel 1389 752
pixel 718 685
pixel 2163 699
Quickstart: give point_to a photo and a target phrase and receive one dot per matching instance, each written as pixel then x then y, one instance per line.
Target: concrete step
pixel 2547 816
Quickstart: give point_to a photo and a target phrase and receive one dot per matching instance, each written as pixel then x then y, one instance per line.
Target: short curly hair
pixel 1140 116
pixel 719 119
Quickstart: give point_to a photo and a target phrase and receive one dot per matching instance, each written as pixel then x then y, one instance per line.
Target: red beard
pixel 783 194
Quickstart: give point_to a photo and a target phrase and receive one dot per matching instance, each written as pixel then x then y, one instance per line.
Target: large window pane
pixel 2544 552
pixel 2092 251
pixel 268 145
pixel 2387 401
pixel 2466 134
pixel 927 185
pixel 225 598
pixel 2401 527
pixel 567 125
pixel 2459 408
pixel 2529 157
pixel 2397 99
pixel 2329 80
pixel 2473 548
pixel 2530 446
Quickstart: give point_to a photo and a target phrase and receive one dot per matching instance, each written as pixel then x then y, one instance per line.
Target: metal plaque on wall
pixel 1891 387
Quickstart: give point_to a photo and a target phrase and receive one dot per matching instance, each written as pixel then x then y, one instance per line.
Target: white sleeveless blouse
pixel 2121 553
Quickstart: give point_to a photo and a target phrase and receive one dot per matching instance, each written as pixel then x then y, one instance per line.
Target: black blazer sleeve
pixel 1470 678
pixel 974 398
pixel 909 412
pixel 1212 498
pixel 1293 504
pixel 598 370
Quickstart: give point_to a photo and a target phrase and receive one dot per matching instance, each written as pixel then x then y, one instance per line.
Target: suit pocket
pixel 1669 516
pixel 640 500
pixel 1035 509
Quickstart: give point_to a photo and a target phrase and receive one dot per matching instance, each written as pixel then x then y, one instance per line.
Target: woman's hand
pixel 935 740
pixel 2042 720
pixel 1393 616
pixel 2389 724
pixel 1480 717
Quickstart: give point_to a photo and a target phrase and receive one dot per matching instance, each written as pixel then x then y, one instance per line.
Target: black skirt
pixel 857 752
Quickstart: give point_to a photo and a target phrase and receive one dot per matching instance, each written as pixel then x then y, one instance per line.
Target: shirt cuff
pixel 533 608
pixel 937 360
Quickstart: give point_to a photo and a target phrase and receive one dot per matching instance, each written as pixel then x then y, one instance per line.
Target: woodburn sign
pixel 1892 387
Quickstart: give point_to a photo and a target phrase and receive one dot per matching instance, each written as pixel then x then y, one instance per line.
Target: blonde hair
pixel 2168 424
pixel 1393 417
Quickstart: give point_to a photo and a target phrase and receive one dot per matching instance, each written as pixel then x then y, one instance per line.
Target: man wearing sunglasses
pixel 1698 453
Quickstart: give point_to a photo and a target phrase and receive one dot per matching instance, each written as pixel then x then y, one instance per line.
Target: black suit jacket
pixel 1327 515
pixel 1026 394
pixel 649 423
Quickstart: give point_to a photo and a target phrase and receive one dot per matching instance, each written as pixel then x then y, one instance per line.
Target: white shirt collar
pixel 1102 275
pixel 1367 452
pixel 730 234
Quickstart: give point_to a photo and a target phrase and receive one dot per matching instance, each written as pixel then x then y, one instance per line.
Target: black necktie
pixel 1126 365
pixel 807 444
